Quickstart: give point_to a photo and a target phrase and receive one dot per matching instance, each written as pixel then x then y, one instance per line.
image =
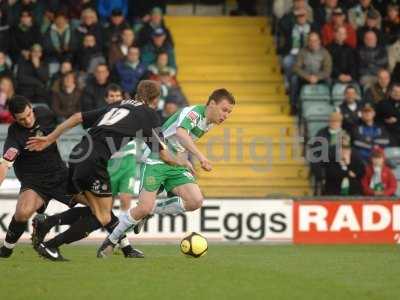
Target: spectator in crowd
pixel 47 21
pixel 344 69
pixel 60 42
pixel 90 55
pixel 343 177
pixel 106 8
pixel 388 113
pixel 358 14
pixel 371 58
pixel 4 67
pixel 117 24
pixel 371 24
pixel 34 7
pixel 94 93
pixel 288 19
pixel 32 76
pixel 313 65
pixel 56 82
pixel 391 24
pixel 129 71
pixel 23 36
pixel 113 93
pixel 350 109
pixel 379 179
pixel 171 106
pixel 323 14
pixel 75 9
pixel 378 91
pixel 394 60
pixel 161 65
pixel 7 92
pixel 156 21
pixel 338 20
pixel 119 50
pixel 90 24
pixel 368 134
pixel 158 44
pixel 4 27
pixel 292 41
pixel 169 87
pixel 67 101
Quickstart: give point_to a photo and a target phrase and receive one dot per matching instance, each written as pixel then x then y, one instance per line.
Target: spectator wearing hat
pixel 66 102
pixel 323 13
pixel 292 41
pixel 129 71
pixel 344 69
pixel 378 91
pixel 105 8
pixel 159 43
pixel 60 42
pixel 388 113
pixel 145 35
pixel 391 24
pixel 90 55
pixel 23 35
pixel 379 179
pixel 7 92
pixel 338 20
pixel 313 65
pixel 32 76
pixel 116 25
pixel 119 50
pixel 368 133
pixel 343 176
pixel 371 24
pixel 350 109
pixel 94 92
pixel 358 14
pixel 90 24
pixel 371 58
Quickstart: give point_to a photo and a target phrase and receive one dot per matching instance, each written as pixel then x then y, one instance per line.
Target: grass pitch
pixel 226 272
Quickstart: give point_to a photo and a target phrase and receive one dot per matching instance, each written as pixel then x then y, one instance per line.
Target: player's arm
pixel 10 153
pixel 40 143
pixel 3 171
pixel 187 142
pixel 173 160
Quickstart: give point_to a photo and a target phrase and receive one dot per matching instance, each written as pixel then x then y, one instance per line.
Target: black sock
pixel 79 230
pixel 68 217
pixel 113 223
pixel 15 230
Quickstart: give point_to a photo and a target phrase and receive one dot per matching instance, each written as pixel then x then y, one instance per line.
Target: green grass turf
pixel 226 272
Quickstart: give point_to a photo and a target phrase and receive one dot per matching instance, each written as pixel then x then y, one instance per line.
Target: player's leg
pixel 28 203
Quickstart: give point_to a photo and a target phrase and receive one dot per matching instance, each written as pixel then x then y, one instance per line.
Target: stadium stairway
pixel 256 153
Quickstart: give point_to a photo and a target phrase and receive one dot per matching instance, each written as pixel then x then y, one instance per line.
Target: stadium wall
pixel 265 220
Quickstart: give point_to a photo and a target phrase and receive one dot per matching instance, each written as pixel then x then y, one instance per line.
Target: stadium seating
pixel 263 155
pixel 338 92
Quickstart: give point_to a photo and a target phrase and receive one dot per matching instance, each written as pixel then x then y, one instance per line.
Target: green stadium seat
pixel 393 153
pixel 315 92
pixel 314 126
pixel 338 92
pixel 317 111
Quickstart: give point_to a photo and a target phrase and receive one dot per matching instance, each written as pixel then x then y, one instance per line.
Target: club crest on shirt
pixel 150 180
pixel 10 154
pixel 193 116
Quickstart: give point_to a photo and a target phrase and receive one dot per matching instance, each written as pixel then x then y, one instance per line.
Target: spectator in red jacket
pixel 338 20
pixel 379 179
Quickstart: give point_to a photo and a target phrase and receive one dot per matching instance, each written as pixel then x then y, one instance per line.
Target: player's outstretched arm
pixel 187 142
pixel 3 171
pixel 40 143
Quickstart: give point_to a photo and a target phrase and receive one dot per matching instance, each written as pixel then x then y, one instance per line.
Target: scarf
pixel 376 180
pixel 60 40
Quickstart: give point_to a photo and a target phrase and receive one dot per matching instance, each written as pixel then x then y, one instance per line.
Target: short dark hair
pixel 113 87
pixel 220 94
pixel 350 87
pixel 18 104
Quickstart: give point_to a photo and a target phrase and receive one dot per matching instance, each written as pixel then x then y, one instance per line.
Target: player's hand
pixel 205 164
pixel 38 143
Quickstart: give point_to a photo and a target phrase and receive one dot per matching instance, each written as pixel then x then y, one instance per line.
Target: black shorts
pixel 90 172
pixel 48 187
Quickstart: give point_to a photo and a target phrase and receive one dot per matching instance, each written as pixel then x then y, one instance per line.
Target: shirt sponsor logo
pixel 193 116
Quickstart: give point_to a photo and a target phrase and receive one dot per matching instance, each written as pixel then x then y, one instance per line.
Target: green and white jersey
pixel 135 148
pixel 191 118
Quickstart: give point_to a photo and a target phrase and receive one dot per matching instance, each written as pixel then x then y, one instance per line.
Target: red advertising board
pixel 346 222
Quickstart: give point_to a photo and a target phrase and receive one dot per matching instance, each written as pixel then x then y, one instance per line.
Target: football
pixel 194 245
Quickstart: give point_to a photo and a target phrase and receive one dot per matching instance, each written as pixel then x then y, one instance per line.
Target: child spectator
pixel 94 93
pixel 129 71
pixel 344 70
pixel 158 44
pixel 379 179
pixel 371 58
pixel 338 20
pixel 119 50
pixel 368 134
pixel 90 55
pixel 33 75
pixel 350 109
pixel 378 91
pixel 67 101
pixel 7 92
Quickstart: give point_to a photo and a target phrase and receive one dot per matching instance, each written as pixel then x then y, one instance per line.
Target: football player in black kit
pixel 43 175
pixel 111 128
